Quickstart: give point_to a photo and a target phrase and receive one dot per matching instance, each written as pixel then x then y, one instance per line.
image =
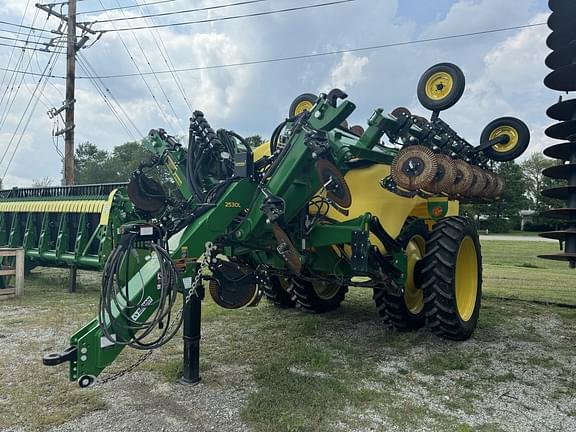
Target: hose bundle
pixel 119 314
pixel 210 159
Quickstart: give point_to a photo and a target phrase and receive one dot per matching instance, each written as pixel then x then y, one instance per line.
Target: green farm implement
pixel 319 209
pixel 64 226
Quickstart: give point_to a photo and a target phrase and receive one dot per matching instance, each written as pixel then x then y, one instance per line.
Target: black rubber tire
pixel 459 83
pixel 277 294
pixel 308 299
pixel 305 97
pixel 520 147
pixel 391 306
pixel 439 276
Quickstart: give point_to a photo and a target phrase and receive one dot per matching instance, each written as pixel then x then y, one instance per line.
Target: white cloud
pixel 504 70
pixel 348 72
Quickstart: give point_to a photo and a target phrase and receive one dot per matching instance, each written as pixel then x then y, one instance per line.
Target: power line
pixel 228 18
pixel 302 56
pixel 180 12
pixel 14 45
pixel 166 56
pixel 142 76
pixel 19 32
pixel 102 89
pixel 35 73
pixel 34 102
pixel 25 27
pixel 327 53
pixel 126 7
pixel 24 47
pixel 12 94
pixel 47 44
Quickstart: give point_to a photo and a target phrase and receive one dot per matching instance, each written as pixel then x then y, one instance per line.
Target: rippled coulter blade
pixel 562 61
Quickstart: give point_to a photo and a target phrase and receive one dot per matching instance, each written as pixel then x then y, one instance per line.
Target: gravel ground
pixel 514 375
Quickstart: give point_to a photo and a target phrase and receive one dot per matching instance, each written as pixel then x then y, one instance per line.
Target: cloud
pixel 504 70
pixel 348 72
pixel 510 83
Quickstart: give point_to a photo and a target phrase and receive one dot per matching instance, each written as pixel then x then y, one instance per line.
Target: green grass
pixel 513 269
pixel 521 233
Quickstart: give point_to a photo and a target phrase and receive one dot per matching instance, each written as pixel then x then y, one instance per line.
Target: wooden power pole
pixel 70 96
pixel 71 47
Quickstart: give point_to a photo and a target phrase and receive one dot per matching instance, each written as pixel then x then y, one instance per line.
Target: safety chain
pixel 204 260
pixel 130 368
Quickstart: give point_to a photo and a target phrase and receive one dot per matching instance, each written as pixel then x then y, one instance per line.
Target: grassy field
pixel 266 369
pixel 512 269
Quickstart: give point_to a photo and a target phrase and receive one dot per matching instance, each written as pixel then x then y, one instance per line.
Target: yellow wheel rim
pixel 439 86
pixel 303 106
pixel 466 278
pixel 413 295
pixel 505 130
pixel 325 290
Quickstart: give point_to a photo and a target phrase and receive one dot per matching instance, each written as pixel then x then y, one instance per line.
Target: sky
pixel 504 71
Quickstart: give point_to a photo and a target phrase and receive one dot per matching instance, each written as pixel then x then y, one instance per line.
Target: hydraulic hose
pixel 115 297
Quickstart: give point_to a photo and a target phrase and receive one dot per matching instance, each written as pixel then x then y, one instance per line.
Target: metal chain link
pixel 204 260
pixel 130 368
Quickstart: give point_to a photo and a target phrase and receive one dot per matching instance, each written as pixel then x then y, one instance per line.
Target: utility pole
pixel 70 97
pixel 72 46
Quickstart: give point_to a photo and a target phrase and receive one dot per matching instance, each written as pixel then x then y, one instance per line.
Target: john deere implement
pixel 64 226
pixel 318 210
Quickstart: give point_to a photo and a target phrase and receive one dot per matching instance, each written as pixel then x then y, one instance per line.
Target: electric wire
pixel 27 48
pixel 146 58
pixel 32 102
pixel 329 53
pixel 19 32
pixel 14 39
pixel 12 94
pixel 10 100
pixel 141 74
pixel 108 93
pixel 58 90
pixel 32 28
pixel 228 18
pixel 179 12
pixel 125 7
pixel 104 97
pixel 159 41
pixel 46 44
pixel 303 56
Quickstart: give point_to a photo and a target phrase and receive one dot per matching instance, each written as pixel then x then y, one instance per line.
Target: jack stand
pixel 72 278
pixel 191 336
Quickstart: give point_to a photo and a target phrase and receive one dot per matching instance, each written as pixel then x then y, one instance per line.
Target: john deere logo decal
pixel 437 209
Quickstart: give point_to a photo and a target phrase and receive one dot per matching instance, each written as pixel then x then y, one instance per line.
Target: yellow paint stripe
pixel 75 206
pixel 106 208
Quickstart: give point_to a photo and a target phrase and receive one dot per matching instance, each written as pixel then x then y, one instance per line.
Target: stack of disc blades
pixel 562 61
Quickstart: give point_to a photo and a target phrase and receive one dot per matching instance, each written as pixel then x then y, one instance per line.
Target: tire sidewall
pixel 450 100
pixel 518 150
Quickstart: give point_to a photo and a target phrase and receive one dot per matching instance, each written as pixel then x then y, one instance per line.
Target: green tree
pixel 90 164
pixel 125 159
pixel 536 182
pixel 254 140
pixel 94 165
pixel 503 213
